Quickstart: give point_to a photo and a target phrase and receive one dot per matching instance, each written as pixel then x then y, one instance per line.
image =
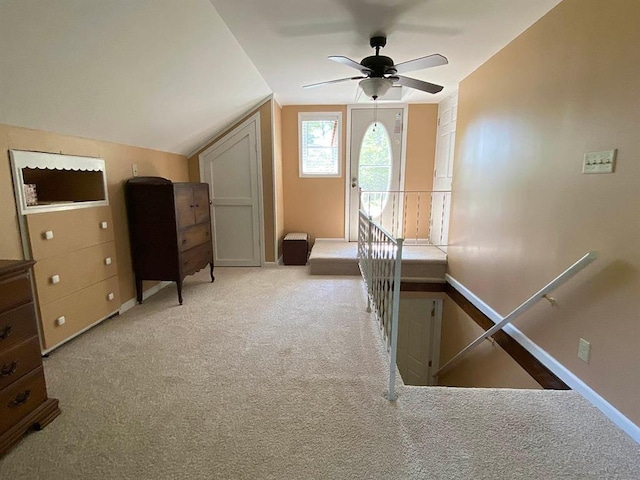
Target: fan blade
pixel 350 63
pixel 417 84
pixel 429 61
pixel 332 81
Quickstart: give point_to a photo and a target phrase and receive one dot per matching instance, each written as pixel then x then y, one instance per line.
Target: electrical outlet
pixel 599 162
pixel 584 348
pixel 134 169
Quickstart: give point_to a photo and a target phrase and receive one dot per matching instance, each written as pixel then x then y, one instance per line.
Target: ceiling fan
pixel 379 73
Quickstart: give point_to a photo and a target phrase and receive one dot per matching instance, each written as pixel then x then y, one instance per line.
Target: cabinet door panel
pixel 201 203
pixel 184 206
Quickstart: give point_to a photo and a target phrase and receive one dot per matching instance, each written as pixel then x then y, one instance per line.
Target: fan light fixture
pixel 375 87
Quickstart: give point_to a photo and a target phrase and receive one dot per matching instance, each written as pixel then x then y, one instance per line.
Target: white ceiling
pixel 289 40
pixel 168 74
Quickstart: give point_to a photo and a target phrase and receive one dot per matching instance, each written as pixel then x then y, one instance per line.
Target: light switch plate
pixel 584 348
pixel 600 162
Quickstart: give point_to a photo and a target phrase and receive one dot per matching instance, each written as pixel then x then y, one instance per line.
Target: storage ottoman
pixel 295 249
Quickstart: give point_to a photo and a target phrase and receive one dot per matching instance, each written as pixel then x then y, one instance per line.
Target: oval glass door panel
pixel 374 170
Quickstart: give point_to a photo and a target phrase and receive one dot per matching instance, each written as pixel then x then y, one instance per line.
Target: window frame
pixel 314 116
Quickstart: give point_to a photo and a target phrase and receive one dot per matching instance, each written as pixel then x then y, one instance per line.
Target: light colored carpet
pixel 334 258
pixel 424 262
pixel 274 374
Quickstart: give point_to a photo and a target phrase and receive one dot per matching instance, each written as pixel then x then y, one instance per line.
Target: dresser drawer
pixel 14 290
pixel 21 397
pixel 17 325
pixel 79 310
pixel 195 259
pixel 193 236
pixel 59 276
pixel 19 360
pixel 70 230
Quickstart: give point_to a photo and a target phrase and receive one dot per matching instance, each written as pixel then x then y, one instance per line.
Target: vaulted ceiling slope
pixel 168 74
pixel 161 74
pixel 289 40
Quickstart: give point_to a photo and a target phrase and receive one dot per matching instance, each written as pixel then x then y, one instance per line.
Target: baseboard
pixel 331 240
pixel 552 364
pixel 129 304
pixel 272 264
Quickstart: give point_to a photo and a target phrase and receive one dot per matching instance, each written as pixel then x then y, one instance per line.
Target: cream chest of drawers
pixel 76 274
pixel 67 228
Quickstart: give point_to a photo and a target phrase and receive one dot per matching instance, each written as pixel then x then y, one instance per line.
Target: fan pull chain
pixel 375 114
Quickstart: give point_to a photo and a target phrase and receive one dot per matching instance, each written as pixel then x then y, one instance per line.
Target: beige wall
pixel 266 141
pixel 421 151
pixel 118 159
pixel 278 175
pixel 487 366
pixel 523 211
pixel 311 205
pixel 316 205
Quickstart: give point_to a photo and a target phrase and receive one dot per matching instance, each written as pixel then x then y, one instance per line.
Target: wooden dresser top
pixel 11 266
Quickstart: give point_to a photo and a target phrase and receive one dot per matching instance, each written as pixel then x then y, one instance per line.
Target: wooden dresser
pixel 23 393
pixel 169 229
pixel 76 273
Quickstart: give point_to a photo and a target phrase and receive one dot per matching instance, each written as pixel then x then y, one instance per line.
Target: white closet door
pixel 232 170
pixel 443 172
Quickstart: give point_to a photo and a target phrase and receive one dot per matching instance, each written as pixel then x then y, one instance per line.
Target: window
pixel 374 169
pixel 319 140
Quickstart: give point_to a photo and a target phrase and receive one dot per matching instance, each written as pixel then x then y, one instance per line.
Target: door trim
pixel 255 119
pixel 347 176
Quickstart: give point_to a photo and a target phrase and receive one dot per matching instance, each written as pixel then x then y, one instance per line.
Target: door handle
pixel 354 182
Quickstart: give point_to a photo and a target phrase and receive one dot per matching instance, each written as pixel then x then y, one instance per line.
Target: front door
pixel 232 170
pixel 376 155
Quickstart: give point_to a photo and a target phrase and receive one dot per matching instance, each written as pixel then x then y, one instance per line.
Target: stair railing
pixel 542 293
pixel 408 214
pixel 380 262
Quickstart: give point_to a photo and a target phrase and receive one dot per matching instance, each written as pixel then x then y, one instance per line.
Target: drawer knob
pixel 111 296
pixel 107 261
pixel 104 225
pixel 61 321
pixel 5 332
pixel 8 369
pixel 48 235
pixel 184 240
pixel 20 399
pixel 55 279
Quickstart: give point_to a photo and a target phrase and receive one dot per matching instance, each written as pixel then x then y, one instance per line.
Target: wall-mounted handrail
pixel 555 283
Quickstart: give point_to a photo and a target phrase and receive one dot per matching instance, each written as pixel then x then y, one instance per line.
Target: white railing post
pixel 369 261
pixel 397 277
